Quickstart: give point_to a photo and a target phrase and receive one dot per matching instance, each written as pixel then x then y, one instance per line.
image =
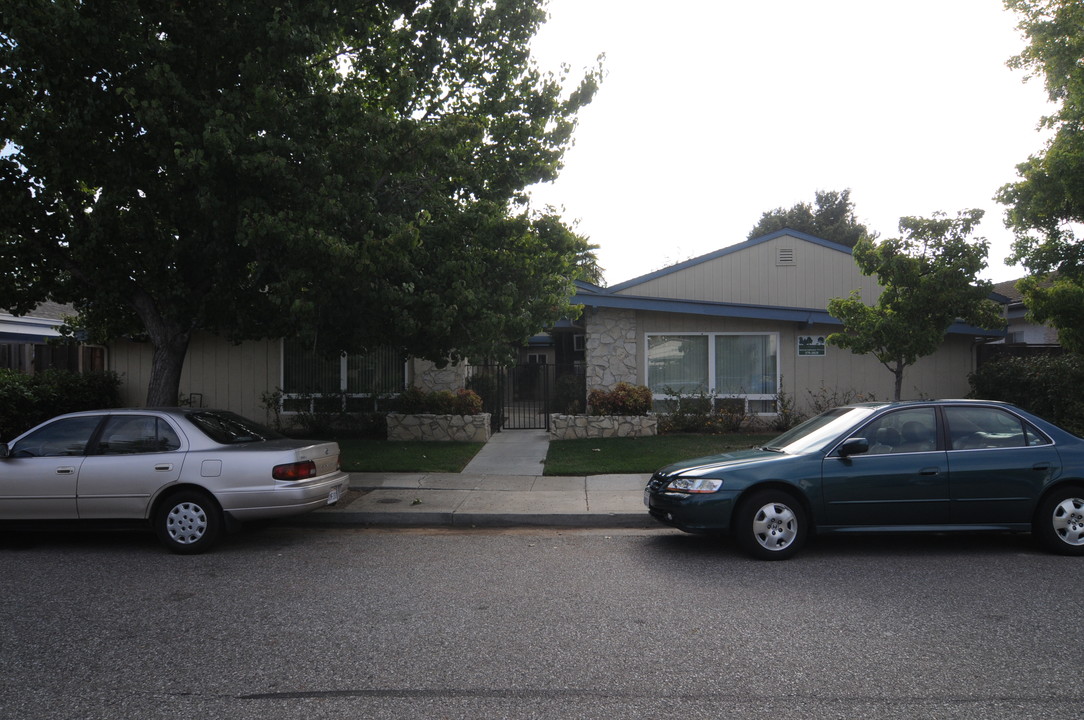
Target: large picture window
pixel 723 364
pixel 358 379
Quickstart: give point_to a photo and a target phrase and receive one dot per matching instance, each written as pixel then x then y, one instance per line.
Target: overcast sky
pixel 715 111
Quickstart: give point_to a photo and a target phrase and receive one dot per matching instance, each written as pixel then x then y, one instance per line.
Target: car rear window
pixel 229 428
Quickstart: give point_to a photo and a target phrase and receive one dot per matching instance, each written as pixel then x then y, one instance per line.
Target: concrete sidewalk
pixel 502 486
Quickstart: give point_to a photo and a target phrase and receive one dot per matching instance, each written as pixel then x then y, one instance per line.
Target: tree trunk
pixel 170 341
pixel 163 389
pixel 898 372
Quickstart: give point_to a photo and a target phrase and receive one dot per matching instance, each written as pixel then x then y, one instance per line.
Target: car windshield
pixel 227 428
pixel 817 432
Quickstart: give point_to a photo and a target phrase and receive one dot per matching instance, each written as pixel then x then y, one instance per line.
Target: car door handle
pixel 164 467
pixel 66 470
pixel 1041 466
pixel 929 471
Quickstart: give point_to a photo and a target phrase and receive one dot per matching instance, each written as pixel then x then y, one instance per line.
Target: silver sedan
pixel 186 471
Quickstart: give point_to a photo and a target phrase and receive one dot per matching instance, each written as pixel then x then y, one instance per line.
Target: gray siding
pixel 229 376
pixel 752 276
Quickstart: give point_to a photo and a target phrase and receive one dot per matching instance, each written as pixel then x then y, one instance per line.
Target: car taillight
pixel 295 471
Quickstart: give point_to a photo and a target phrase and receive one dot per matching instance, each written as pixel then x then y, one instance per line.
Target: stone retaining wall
pixel 439 428
pixel 575 427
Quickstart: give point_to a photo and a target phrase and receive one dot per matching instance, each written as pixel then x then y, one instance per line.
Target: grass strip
pixel 370 455
pixel 604 456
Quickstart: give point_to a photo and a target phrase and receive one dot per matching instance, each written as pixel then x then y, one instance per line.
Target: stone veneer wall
pixel 578 427
pixel 430 378
pixel 439 428
pixel 612 353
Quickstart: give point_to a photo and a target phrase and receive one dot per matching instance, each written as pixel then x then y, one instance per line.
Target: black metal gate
pixel 521 397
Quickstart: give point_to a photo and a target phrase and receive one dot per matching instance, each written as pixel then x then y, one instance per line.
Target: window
pixel 306 375
pixel 975 428
pixel 227 428
pixel 732 365
pixel 68 436
pixel 904 431
pixel 131 434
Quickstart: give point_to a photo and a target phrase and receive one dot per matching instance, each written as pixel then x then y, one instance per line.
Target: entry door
pixel 999 463
pixel 38 479
pixel 134 457
pixel 902 480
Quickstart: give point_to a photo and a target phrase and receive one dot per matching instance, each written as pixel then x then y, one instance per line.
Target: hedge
pixel 1050 386
pixel 26 400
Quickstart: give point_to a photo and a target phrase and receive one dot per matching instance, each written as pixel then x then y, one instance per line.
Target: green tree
pixel 348 171
pixel 831 217
pixel 929 282
pixel 1046 205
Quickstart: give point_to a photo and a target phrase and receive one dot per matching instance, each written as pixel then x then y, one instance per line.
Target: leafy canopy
pixel 348 171
pixel 831 217
pixel 929 282
pixel 1046 205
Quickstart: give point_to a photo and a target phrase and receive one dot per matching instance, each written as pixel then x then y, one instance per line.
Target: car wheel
pixel 771 525
pixel 1059 522
pixel 188 522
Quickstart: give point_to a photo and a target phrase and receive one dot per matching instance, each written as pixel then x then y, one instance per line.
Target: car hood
pixel 703 465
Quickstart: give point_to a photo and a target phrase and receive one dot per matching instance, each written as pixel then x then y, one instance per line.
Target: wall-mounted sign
pixel 811 346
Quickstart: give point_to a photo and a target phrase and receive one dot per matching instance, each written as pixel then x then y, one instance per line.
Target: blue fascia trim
pixel 727 251
pixel 584 286
pixel 716 309
pixel 803 316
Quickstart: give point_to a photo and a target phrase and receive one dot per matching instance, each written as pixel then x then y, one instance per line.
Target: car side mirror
pixel 853 446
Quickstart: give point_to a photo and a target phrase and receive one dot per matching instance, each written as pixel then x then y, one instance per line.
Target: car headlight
pixel 694 485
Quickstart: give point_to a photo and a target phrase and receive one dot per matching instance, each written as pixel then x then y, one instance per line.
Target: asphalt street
pixel 287 622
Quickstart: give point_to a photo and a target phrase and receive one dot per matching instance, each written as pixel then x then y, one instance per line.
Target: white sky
pixel 715 111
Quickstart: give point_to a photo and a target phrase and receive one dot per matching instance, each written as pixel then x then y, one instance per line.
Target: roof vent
pixel 785 257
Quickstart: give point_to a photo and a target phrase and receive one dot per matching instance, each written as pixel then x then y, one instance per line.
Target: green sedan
pixel 938 466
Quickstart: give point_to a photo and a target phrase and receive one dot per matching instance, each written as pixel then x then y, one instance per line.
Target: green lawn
pixel 368 455
pixel 639 455
pixel 566 457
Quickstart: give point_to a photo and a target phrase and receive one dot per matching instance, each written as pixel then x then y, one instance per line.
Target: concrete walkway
pixel 511 452
pixel 502 486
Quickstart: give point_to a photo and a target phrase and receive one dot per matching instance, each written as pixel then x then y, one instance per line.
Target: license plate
pixel 647 498
pixel 333 496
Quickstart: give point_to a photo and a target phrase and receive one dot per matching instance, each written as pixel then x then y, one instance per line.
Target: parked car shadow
pixel 857 545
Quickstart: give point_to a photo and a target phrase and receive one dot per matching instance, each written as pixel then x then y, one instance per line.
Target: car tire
pixel 1059 521
pixel 771 524
pixel 188 522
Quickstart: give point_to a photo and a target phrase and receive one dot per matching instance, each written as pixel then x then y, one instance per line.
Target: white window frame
pixel 711 367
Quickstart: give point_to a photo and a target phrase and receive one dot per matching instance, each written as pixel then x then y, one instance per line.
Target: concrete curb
pixel 487 501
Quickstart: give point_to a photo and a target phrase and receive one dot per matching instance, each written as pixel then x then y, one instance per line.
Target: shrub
pixel 702 412
pixel 824 399
pixel 26 400
pixel 623 399
pixel 569 392
pixel 414 401
pixel 489 384
pixel 1050 386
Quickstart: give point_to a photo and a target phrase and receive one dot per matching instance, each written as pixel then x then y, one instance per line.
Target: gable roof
pixel 619 297
pixel 729 250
